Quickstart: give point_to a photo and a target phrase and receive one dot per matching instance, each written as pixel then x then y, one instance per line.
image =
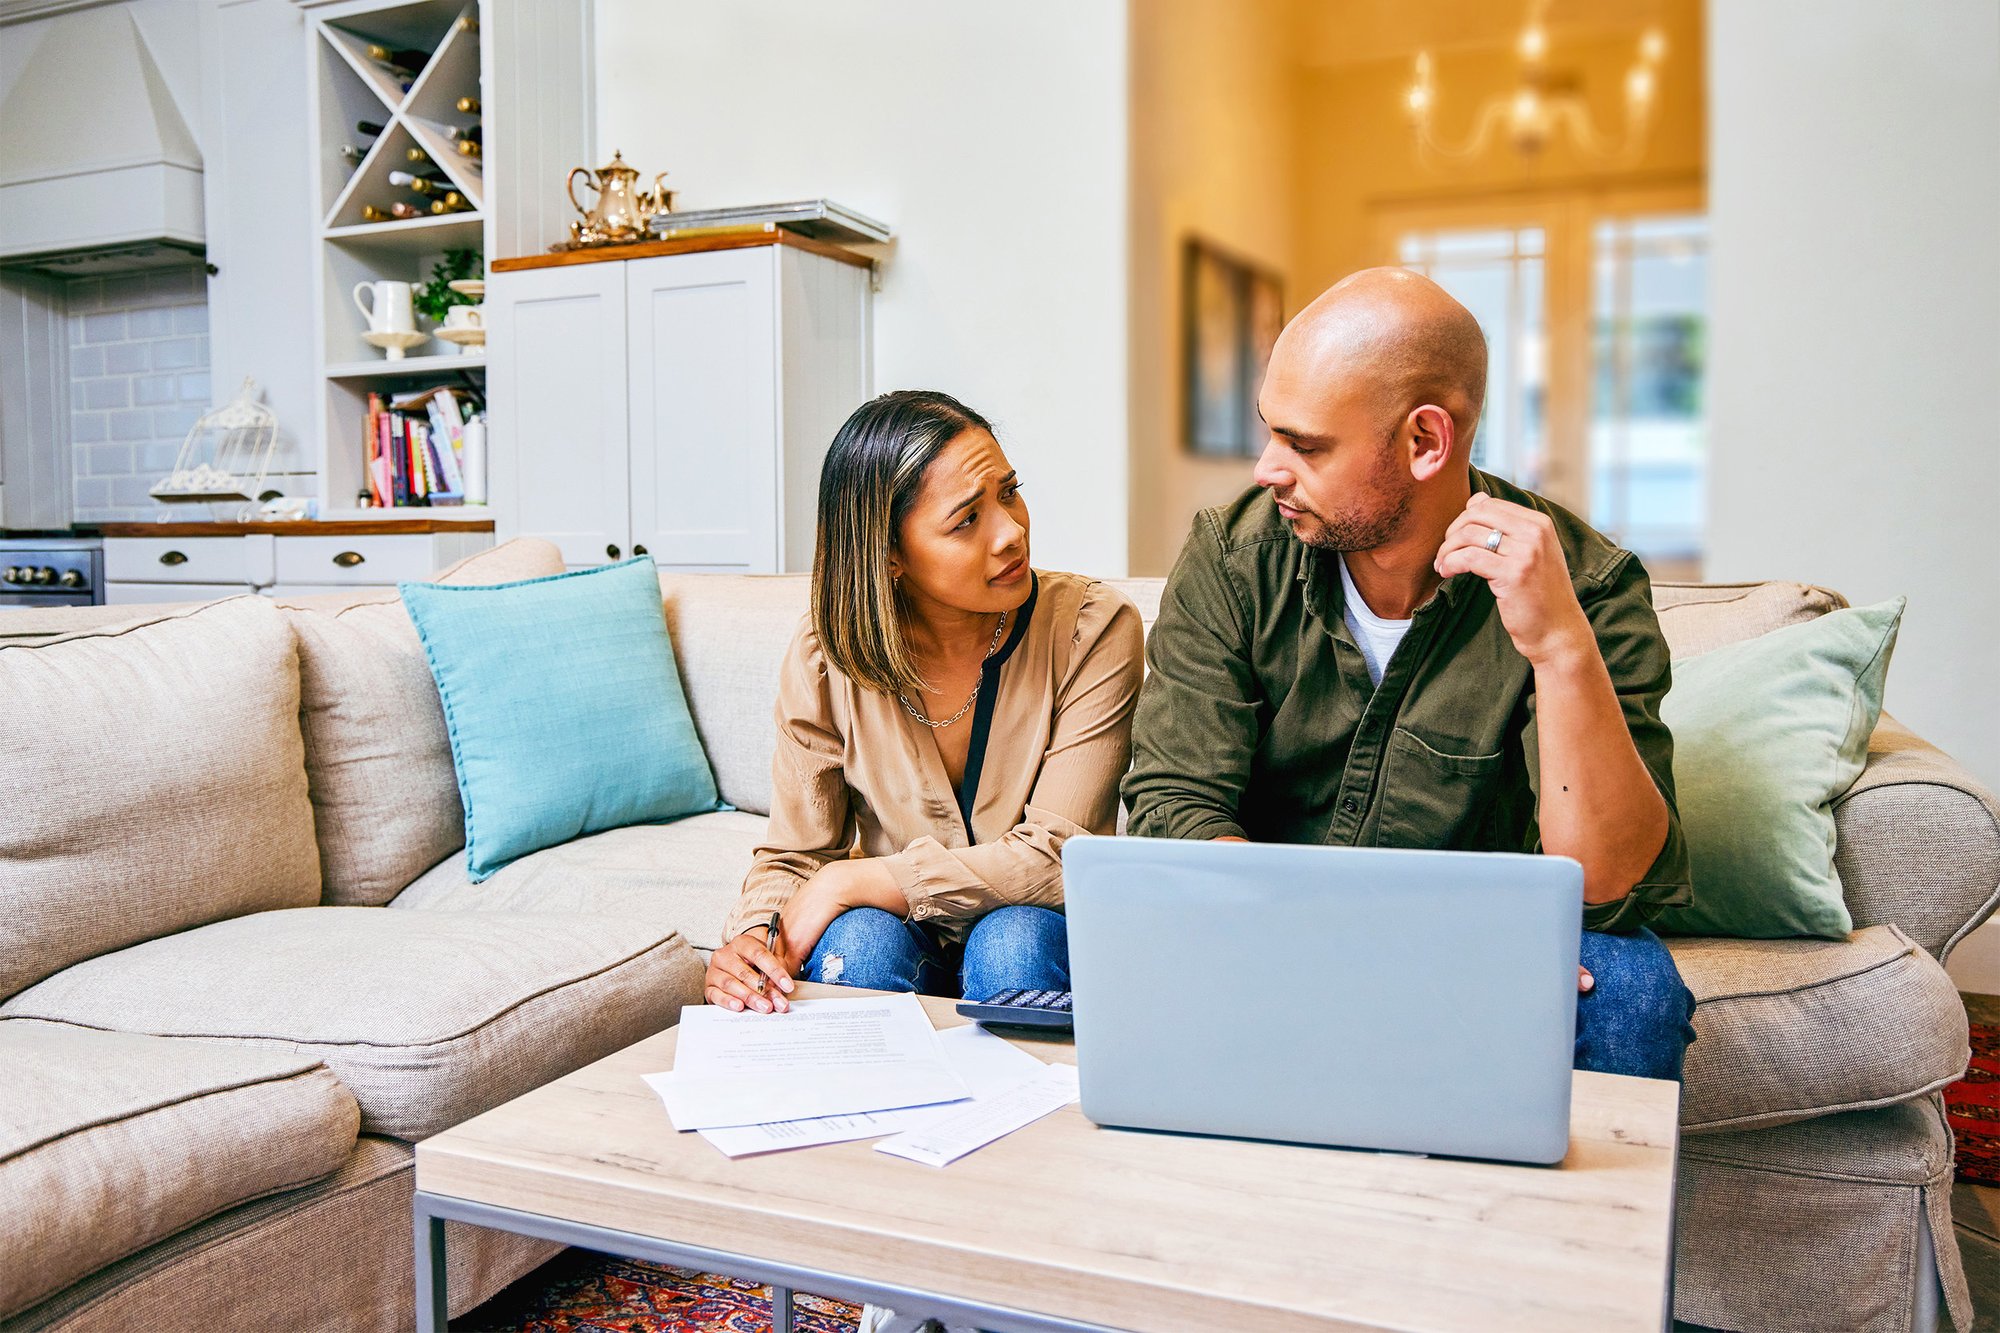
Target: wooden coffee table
pixel 1066 1226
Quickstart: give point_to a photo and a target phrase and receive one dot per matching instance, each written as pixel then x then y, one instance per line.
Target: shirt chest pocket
pixel 1431 794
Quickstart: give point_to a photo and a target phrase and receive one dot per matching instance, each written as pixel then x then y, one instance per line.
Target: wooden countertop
pixel 735 239
pixel 364 527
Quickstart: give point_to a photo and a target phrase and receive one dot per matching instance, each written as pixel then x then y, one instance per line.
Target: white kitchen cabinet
pixel 202 568
pixel 676 403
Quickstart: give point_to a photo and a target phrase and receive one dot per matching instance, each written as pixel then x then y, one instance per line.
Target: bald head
pixel 1392 338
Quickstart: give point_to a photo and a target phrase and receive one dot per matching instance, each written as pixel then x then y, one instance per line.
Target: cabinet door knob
pixel 640 550
pixel 349 559
pixel 611 551
pixel 172 558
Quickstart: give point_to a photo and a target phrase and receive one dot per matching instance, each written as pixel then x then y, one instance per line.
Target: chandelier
pixel 1544 104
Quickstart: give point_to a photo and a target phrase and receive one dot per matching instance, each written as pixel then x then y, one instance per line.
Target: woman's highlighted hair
pixel 870 478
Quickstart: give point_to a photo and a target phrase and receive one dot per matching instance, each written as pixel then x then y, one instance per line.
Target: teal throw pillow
pixel 1768 734
pixel 564 708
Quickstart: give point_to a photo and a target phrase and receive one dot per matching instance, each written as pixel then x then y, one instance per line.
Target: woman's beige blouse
pixel 855 775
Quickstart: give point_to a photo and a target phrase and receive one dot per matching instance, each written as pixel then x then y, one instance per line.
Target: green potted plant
pixel 436 297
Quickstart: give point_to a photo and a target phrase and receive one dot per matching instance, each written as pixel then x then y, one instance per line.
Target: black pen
pixel 770 943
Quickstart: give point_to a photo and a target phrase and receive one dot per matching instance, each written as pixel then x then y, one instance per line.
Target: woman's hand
pixel 838 886
pixel 744 972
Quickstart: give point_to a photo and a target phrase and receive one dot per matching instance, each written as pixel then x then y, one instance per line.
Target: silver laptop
pixel 1366 998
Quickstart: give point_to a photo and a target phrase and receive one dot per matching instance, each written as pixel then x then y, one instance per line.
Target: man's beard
pixel 1355 530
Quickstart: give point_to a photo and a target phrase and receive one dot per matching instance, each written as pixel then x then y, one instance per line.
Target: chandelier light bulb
pixel 1639 85
pixel 1420 99
pixel 1534 44
pixel 1653 46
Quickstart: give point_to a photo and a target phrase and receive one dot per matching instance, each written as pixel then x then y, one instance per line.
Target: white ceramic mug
pixel 389 308
pixel 465 317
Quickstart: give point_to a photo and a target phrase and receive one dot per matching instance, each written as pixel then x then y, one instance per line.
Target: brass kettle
pixel 619 212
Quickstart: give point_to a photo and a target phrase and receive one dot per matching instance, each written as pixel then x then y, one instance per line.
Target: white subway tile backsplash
pixel 100 394
pixel 126 358
pixel 139 382
pixel 106 327
pixel 152 323
pixel 178 353
pixel 108 460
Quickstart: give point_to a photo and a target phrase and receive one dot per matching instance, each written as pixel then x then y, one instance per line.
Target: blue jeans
pixel 1010 948
pixel 1636 1019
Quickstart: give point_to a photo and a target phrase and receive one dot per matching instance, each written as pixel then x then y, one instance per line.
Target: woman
pixel 947 717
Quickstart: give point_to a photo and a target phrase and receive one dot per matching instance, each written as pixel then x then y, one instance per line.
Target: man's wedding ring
pixel 1493 541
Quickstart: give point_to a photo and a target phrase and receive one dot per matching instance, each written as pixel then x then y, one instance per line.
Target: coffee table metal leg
pixel 433 1291
pixel 781 1309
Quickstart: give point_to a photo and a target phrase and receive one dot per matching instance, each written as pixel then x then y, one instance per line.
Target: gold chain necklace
pixel 912 709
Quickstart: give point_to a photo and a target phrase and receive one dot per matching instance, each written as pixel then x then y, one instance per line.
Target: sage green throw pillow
pixel 1768 733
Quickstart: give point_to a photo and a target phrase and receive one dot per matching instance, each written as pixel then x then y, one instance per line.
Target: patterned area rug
pixel 581 1292
pixel 1973 1103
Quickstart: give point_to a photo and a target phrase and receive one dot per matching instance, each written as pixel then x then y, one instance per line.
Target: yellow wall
pixel 1212 120
pixel 1255 126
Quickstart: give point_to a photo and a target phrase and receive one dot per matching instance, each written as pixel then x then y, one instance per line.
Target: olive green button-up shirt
pixel 1258 718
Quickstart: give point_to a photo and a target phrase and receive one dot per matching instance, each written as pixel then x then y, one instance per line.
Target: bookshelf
pixel 530 136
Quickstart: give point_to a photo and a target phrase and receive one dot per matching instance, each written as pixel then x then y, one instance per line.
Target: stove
pixel 51 571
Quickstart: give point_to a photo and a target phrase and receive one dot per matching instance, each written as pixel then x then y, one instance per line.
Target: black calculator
pixel 1022 1008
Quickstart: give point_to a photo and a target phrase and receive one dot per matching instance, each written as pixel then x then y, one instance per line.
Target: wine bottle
pixel 431 184
pixel 398 60
pixel 368 127
pixel 468 148
pixel 472 132
pixel 403 210
pixel 468 106
pixel 453 202
pixel 416 155
pixel 370 213
pixel 469 23
pixel 351 153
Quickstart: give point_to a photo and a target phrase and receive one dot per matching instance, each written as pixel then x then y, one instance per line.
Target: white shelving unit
pixel 532 135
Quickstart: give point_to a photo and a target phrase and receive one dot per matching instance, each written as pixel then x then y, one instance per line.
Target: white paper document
pixel 820 1058
pixel 960 1130
pixel 988 1065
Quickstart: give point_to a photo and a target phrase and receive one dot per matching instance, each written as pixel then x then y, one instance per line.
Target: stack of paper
pixel 831 1071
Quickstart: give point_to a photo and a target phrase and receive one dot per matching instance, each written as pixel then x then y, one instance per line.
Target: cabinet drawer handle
pixel 611 551
pixel 640 550
pixel 349 559
pixel 172 558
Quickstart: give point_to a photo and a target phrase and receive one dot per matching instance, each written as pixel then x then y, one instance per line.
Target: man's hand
pixel 1528 575
pixel 745 973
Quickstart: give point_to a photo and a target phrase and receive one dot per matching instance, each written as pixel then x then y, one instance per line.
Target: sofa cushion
pixel 1700 617
pixel 110 1141
pixel 730 636
pixel 684 876
pixel 427 1017
pixel 155 780
pixel 1793 1029
pixel 378 761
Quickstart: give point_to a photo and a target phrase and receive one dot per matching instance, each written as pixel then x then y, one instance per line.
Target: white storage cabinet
pixel 676 406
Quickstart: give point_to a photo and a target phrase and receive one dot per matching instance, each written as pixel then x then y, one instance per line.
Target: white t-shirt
pixel 1377 638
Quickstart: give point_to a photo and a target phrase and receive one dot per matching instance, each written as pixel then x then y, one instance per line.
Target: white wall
pixel 1854 192
pixel 992 137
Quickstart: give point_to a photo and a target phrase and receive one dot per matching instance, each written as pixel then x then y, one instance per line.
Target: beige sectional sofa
pixel 217 1044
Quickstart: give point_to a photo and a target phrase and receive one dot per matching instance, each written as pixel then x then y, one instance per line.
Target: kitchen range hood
pixel 98 171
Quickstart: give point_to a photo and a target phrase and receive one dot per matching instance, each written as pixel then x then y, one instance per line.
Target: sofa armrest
pixel 1918 842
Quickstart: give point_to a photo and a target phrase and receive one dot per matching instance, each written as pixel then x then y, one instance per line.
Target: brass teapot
pixel 619 212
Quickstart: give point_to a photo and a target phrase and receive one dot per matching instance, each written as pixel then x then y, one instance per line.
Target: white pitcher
pixel 389 308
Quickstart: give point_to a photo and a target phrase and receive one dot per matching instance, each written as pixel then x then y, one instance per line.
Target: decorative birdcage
pixel 226 456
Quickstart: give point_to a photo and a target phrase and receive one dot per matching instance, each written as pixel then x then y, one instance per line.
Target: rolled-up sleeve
pixel 1636 656
pixel 1198 722
pixel 811 822
pixel 1075 791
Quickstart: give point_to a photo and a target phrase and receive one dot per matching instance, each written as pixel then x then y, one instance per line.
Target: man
pixel 1379 645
